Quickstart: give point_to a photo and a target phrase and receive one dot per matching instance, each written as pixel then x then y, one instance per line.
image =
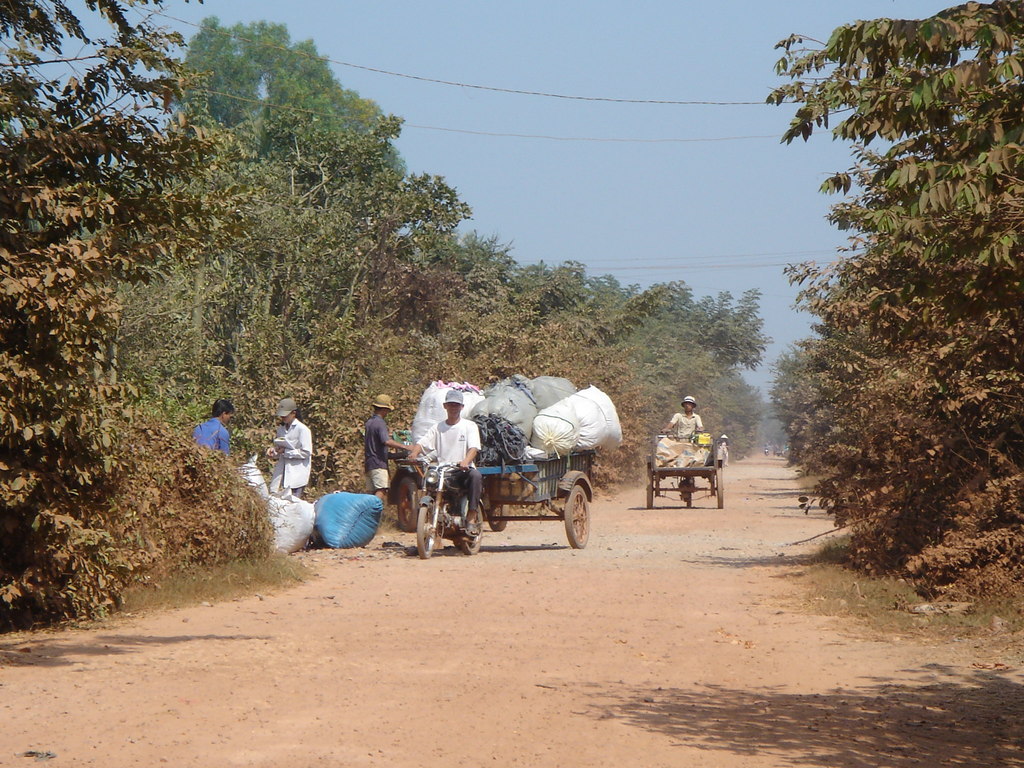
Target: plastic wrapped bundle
pixel 293 522
pixel 679 453
pixel 431 409
pixel 548 390
pixel 557 429
pixel 345 520
pixel 599 421
pixel 512 400
pixel 501 442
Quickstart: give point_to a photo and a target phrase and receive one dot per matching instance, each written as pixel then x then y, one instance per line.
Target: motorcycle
pixel 444 511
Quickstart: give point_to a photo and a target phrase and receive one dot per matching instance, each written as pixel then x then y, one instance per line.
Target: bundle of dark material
pixel 501 441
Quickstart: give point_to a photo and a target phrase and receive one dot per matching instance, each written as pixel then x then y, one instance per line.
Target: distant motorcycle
pixel 444 511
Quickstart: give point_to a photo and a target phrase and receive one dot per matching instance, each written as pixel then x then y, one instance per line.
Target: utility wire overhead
pixel 598 139
pixel 685 260
pixel 702 267
pixel 457 84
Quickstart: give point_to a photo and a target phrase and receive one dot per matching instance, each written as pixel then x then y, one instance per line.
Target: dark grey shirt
pixel 375 436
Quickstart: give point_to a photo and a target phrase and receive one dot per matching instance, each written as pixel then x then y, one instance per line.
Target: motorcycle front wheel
pixel 427 533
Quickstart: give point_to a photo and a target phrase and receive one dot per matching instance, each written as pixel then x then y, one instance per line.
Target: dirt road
pixel 674 639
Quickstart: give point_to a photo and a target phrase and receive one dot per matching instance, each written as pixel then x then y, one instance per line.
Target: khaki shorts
pixel 376 480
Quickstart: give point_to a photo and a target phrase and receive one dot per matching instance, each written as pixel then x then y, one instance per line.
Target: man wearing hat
pixel 683 425
pixel 292 451
pixel 376 441
pixel 456 440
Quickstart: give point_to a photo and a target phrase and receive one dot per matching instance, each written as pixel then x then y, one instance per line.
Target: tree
pixel 90 196
pixel 251 70
pixel 925 315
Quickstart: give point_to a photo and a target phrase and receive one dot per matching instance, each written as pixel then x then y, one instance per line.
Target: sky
pixel 644 192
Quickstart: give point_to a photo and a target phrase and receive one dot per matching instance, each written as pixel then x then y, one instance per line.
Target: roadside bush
pixel 166 506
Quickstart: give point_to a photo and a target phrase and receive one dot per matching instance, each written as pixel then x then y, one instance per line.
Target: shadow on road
pixel 973 720
pixel 498 549
pixel 39 652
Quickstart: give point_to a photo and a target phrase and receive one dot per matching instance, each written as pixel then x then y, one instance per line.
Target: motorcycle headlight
pixel 432 477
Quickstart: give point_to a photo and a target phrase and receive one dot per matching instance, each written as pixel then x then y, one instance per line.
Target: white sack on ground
pixel 512 400
pixel 431 409
pixel 252 475
pixel 548 390
pixel 556 429
pixel 293 522
pixel 599 421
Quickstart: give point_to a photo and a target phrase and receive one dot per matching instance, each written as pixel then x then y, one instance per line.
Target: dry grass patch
pixel 890 606
pixel 239 578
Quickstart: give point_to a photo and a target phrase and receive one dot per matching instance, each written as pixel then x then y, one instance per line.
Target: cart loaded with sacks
pixel 675 466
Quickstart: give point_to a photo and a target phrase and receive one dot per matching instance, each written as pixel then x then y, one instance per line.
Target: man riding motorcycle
pixel 456 440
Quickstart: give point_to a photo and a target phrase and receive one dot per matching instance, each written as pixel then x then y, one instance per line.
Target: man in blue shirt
pixel 214 433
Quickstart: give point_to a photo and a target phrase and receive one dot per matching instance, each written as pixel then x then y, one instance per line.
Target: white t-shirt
pixel 451 442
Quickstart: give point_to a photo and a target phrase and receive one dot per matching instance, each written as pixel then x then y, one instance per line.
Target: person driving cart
pixel 456 440
pixel 683 425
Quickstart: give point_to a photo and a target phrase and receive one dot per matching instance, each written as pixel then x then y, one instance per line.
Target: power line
pixel 706 267
pixel 588 138
pixel 315 113
pixel 457 84
pixel 680 260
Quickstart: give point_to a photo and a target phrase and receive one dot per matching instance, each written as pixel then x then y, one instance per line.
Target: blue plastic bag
pixel 345 520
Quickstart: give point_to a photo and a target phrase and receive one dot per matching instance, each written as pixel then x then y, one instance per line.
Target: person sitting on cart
pixel 457 441
pixel 684 425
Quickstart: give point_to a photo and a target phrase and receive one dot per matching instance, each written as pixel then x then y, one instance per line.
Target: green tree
pixel 251 70
pixel 699 347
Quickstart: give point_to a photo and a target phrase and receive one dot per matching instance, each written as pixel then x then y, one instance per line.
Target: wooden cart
pixel 667 481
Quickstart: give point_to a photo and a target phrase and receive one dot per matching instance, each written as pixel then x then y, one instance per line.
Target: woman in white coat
pixel 292 452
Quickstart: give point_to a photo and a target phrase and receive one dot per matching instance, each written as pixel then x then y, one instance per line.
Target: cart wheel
pixel 720 487
pixel 406 507
pixel 577 517
pixel 496 525
pixel 426 528
pixel 650 487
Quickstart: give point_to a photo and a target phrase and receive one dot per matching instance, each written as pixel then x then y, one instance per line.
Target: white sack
pixel 293 522
pixel 556 429
pixel 599 421
pixel 591 420
pixel 252 475
pixel 431 409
